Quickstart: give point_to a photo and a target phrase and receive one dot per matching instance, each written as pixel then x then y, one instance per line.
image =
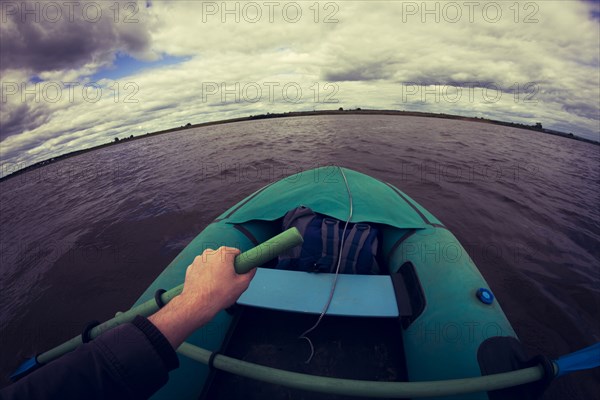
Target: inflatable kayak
pixel 432 304
pixel 360 292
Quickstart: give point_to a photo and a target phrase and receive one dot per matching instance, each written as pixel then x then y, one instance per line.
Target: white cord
pixel 337 271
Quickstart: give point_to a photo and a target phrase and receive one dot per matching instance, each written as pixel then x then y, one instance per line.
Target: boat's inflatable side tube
pixel 443 340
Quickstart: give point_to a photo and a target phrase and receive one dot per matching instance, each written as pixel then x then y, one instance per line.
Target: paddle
pixel 244 262
pixel 586 358
pixel 583 359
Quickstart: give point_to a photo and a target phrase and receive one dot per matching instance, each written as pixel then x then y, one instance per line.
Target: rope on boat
pixel 335 278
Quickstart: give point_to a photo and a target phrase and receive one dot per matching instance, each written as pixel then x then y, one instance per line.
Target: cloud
pixel 52 36
pixel 365 72
pixel 544 71
pixel 22 118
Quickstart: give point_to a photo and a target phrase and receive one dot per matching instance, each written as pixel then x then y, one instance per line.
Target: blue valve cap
pixel 485 296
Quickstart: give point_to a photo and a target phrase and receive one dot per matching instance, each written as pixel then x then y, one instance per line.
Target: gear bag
pixel 322 237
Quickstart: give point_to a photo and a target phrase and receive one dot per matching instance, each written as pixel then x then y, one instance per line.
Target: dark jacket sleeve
pixel 131 361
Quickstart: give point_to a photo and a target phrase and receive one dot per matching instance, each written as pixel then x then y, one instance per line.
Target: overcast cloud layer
pixel 525 62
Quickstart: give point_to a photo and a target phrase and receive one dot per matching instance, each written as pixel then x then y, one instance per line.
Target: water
pixel 82 238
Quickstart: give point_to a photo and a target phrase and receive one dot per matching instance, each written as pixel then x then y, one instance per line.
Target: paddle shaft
pixel 351 387
pixel 244 262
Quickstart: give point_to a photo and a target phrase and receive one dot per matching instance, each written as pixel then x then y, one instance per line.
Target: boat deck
pixel 345 347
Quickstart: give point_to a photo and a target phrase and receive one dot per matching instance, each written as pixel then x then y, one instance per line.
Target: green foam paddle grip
pixel 267 250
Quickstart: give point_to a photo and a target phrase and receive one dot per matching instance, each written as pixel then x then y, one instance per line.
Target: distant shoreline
pixel 536 128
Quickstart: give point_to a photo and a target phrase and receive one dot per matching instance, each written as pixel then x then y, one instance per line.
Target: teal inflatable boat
pixel 420 321
pixel 428 316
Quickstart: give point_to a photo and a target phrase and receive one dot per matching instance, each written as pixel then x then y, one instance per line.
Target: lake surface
pixel 82 238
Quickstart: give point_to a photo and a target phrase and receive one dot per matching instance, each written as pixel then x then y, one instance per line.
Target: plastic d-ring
pixel 211 360
pixel 158 298
pixel 85 335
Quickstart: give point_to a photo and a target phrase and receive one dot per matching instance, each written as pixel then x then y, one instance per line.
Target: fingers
pixel 250 275
pixel 211 281
pixel 222 250
pixel 229 252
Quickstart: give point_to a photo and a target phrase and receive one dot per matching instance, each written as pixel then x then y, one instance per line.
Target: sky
pixel 80 73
